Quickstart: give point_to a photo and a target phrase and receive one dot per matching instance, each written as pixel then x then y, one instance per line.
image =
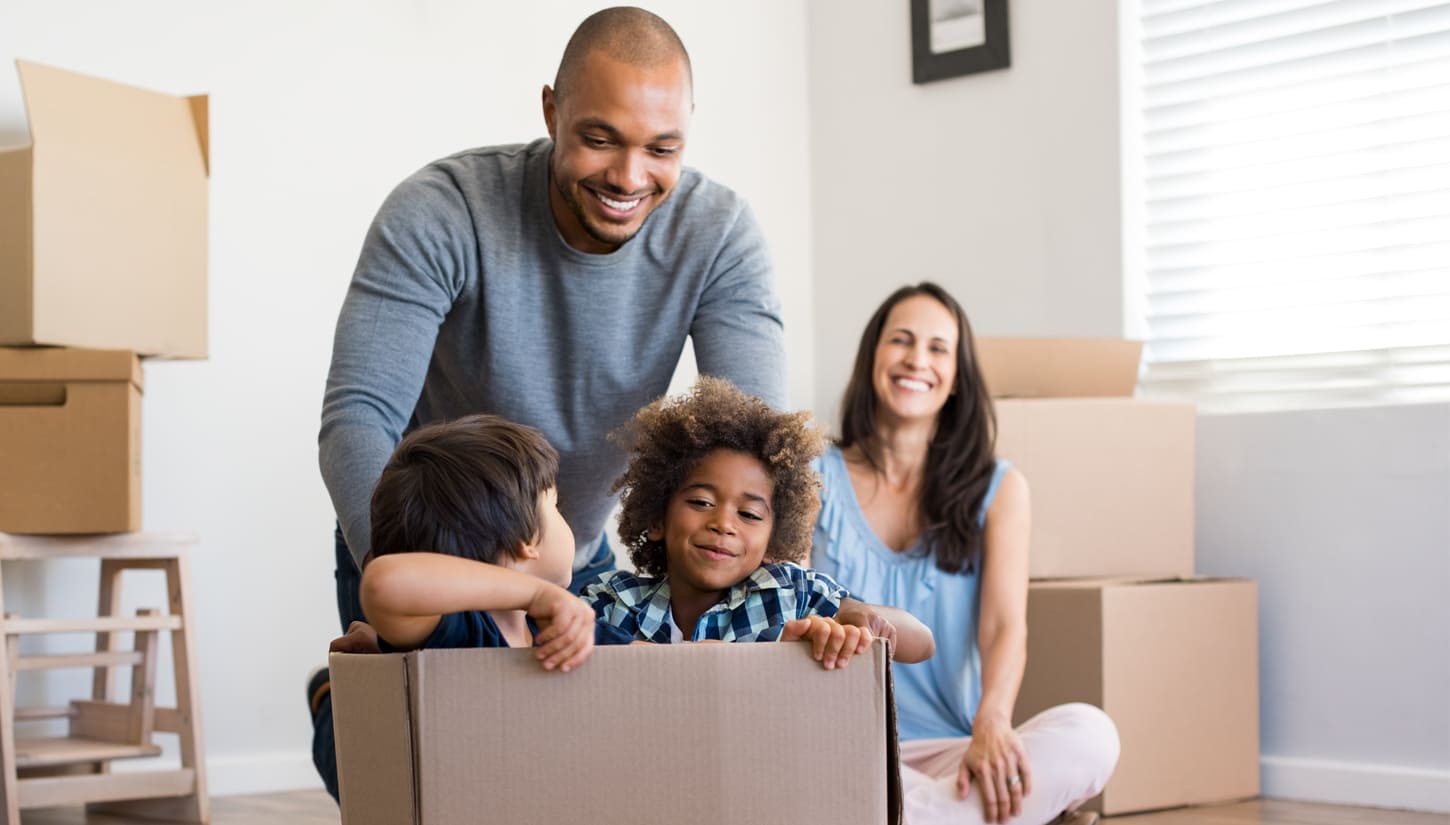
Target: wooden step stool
pixel 75 769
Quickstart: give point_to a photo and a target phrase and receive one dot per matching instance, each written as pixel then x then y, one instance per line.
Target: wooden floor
pixel 317 808
pixel 1278 812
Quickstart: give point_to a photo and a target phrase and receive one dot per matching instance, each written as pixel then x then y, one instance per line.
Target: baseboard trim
pixel 1349 783
pixel 254 773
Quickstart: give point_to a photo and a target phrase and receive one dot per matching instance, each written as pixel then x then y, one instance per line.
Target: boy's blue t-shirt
pixel 475 628
pixel 754 610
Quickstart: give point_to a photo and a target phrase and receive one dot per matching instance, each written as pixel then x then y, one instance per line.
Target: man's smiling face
pixel 619 142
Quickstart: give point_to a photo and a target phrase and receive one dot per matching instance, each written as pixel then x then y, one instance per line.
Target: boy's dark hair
pixel 468 487
pixel 669 437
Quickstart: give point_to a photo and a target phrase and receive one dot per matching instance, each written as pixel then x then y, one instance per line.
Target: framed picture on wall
pixel 956 37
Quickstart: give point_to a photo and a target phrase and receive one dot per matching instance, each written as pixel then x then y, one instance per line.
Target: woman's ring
pixel 1014 780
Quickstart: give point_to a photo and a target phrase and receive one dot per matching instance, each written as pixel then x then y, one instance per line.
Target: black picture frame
pixel 984 53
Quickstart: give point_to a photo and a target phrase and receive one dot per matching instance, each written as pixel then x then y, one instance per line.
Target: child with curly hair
pixel 718 506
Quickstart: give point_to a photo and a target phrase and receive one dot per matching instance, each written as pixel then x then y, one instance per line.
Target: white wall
pixel 1008 188
pixel 317 110
pixel 1002 186
pixel 1343 518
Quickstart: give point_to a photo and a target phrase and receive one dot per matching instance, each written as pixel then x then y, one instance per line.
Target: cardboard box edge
pixel 354 726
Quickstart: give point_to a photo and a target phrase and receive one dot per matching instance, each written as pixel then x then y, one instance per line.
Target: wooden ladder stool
pixel 74 769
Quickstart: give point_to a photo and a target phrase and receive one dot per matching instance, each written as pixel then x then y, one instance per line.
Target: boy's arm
pixel 404 595
pixel 911 641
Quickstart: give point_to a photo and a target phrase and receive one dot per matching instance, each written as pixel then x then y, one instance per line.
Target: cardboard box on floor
pixel 1111 476
pixel 705 734
pixel 70 432
pixel 1174 663
pixel 103 218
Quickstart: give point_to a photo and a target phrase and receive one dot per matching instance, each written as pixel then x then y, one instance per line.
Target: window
pixel 1296 201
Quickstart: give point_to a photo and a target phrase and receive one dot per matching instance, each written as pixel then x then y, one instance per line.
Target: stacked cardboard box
pixel 103 245
pixel 1116 616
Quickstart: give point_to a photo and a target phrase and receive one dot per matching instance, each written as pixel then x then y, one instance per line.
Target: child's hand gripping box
pixel 699 734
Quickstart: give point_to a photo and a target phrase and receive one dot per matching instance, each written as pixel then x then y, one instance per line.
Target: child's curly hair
pixel 669 437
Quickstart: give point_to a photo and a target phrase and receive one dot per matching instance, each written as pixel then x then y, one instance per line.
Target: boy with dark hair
pixel 469 550
pixel 477 489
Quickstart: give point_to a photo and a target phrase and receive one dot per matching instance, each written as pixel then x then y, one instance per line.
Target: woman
pixel 918 513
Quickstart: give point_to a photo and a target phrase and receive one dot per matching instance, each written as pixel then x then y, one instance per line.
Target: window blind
pixel 1296 176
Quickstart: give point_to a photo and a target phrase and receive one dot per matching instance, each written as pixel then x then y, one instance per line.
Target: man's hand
pixel 566 635
pixel 832 643
pixel 360 638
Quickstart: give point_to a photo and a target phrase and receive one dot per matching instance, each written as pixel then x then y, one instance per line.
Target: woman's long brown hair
pixel 961 456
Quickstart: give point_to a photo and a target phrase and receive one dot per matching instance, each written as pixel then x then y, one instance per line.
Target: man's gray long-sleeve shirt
pixel 466 299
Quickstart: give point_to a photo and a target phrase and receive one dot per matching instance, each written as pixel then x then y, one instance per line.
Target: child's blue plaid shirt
pixel 754 610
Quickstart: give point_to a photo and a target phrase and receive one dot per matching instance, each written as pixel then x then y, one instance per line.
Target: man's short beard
pixel 593 231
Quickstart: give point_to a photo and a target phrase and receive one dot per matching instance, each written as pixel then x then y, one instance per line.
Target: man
pixel 553 284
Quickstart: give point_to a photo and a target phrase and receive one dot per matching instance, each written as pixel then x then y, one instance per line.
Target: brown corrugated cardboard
pixel 1059 367
pixel 704 734
pixel 1174 663
pixel 1111 481
pixel 1111 477
pixel 70 432
pixel 103 219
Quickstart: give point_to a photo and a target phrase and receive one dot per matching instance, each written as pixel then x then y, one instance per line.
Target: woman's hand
pixel 997 762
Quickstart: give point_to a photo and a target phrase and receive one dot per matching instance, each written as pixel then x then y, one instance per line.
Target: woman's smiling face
pixel 915 367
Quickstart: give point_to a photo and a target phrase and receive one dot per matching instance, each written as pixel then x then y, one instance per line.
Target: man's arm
pixel 411 270
pixel 737 332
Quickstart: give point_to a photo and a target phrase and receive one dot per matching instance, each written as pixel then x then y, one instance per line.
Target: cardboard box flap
pixel 895 805
pixel 16 250
pixel 104 218
pixel 1059 367
pixel 371 722
pixel 1102 582
pixel 59 364
pixel 201 117
pixel 76 114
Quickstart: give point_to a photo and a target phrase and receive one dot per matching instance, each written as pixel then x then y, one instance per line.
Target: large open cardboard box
pixel 103 218
pixel 1111 476
pixel 1174 663
pixel 705 734
pixel 70 434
